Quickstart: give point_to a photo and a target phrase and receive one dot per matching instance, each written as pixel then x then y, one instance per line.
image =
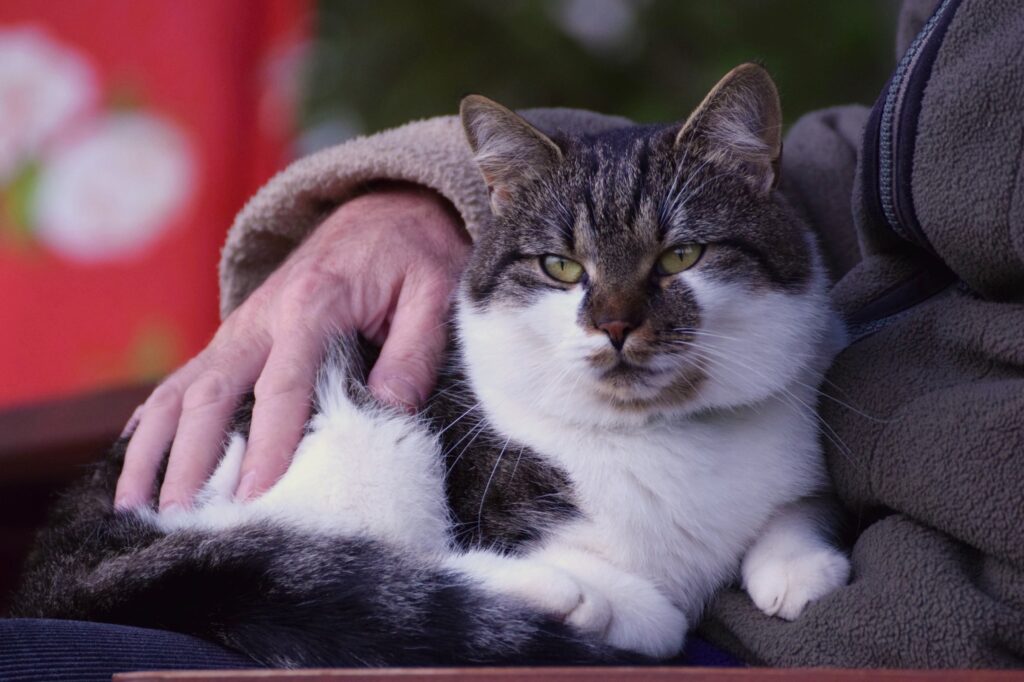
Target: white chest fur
pixel 677 503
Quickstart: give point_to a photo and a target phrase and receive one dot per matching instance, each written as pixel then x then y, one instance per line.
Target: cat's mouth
pixel 629 381
pixel 624 370
pixel 631 369
pixel 640 385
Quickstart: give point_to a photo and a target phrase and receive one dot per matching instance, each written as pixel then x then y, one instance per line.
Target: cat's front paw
pixel 623 610
pixel 546 588
pixel 783 586
pixel 643 619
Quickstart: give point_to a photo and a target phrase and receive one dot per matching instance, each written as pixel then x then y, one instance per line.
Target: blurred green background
pixel 380 63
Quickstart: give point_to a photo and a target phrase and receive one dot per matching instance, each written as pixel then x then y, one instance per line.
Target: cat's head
pixel 643 271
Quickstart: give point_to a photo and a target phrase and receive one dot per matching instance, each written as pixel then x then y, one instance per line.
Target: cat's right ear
pixel 509 151
pixel 738 126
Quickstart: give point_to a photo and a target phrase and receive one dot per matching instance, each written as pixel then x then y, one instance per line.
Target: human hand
pixel 383 264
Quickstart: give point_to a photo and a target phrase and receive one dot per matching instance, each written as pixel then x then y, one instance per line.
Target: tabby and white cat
pixel 628 425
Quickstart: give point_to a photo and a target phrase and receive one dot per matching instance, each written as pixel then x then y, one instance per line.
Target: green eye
pixel 562 269
pixel 674 261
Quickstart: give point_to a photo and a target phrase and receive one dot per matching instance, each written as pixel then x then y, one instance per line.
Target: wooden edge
pixel 50 439
pixel 577 675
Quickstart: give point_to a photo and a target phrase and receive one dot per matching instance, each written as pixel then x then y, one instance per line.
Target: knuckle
pixel 166 396
pixel 287 381
pixel 209 388
pixel 258 299
pixel 225 332
pixel 306 286
pixel 435 283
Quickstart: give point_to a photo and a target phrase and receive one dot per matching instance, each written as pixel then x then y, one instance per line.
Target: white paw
pixel 555 592
pixel 544 587
pixel 622 609
pixel 643 619
pixel 783 586
pixel 653 627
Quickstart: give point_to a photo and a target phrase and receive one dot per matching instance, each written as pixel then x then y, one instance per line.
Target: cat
pixel 627 424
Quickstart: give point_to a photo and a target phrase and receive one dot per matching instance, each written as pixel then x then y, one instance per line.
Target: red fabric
pixel 185 105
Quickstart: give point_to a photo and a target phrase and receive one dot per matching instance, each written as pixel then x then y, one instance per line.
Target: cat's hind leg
pixel 792 563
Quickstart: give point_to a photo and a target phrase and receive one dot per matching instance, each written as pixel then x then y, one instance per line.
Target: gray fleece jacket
pixel 919 204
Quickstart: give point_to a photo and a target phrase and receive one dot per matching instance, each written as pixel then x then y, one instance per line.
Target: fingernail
pixel 400 393
pixel 170 508
pixel 133 423
pixel 246 487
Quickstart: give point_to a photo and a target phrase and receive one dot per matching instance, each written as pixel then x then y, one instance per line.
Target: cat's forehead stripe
pixel 613 177
pixel 642 166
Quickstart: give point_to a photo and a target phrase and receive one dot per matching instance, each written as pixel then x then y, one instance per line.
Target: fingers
pixel 407 367
pixel 192 407
pixel 132 423
pixel 283 395
pixel 157 423
pixel 207 405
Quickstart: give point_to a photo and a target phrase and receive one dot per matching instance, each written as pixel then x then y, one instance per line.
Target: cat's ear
pixel 509 151
pixel 738 126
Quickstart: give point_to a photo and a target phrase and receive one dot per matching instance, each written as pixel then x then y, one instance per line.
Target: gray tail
pixel 296 601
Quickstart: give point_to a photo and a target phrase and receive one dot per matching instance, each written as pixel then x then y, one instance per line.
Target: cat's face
pixel 643 271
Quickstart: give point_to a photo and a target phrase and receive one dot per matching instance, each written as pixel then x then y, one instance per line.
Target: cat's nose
pixel 617 331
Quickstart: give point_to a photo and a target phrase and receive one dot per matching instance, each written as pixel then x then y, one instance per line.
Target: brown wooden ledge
pixel 577 675
pixel 49 440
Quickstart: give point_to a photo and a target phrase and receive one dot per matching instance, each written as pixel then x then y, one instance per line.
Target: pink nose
pixel 617 331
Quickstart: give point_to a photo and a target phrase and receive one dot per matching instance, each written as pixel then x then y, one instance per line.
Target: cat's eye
pixel 677 259
pixel 562 269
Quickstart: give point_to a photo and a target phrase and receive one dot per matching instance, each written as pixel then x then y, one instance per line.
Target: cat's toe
pixel 558 594
pixel 783 587
pixel 550 591
pixel 592 614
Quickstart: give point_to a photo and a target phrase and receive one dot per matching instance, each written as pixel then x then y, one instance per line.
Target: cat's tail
pixel 298 601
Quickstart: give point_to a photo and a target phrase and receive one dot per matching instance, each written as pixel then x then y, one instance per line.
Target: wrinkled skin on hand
pixel 383 264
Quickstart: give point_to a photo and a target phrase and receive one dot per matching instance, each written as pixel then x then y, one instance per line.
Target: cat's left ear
pixel 738 127
pixel 510 152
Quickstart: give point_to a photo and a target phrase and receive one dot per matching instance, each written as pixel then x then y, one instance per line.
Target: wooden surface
pixel 48 440
pixel 578 675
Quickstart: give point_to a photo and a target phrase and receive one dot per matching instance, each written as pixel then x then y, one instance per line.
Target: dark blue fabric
pixel 59 650
pixel 706 655
pixel 65 650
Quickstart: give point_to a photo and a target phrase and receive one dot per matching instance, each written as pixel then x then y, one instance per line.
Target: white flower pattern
pixel 104 185
pixel 43 87
pixel 109 193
